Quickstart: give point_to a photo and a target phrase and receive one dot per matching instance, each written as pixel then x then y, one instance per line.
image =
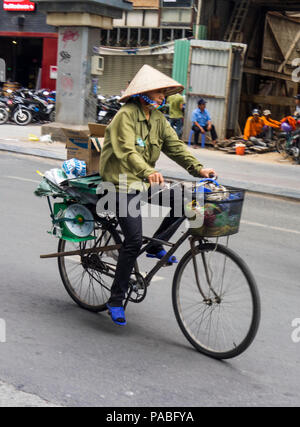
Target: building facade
pixel 137 36
pixel 28 45
pixel 152 22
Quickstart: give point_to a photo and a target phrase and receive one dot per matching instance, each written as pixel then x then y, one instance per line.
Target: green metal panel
pixel 181 61
pixel 202 33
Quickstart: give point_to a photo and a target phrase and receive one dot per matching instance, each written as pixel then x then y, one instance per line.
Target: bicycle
pixel 214 294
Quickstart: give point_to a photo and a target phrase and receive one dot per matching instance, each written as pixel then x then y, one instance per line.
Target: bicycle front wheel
pixel 220 312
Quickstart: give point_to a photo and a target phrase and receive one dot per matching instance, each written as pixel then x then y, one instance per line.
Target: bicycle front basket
pixel 221 217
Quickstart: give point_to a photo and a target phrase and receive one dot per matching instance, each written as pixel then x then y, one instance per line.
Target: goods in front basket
pixel 221 213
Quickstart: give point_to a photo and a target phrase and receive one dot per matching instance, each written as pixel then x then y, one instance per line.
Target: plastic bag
pixel 45 188
pixel 46 138
pixel 57 176
pixel 212 190
pixel 74 168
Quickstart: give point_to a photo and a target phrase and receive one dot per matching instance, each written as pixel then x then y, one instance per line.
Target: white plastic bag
pixel 57 176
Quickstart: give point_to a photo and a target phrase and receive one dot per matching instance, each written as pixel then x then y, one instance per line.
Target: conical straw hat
pixel 148 79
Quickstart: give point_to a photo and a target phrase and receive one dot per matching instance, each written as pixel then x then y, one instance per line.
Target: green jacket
pixel 174 102
pixel 132 146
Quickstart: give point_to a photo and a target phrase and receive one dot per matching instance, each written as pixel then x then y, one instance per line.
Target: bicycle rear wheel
pixel 222 322
pixel 88 277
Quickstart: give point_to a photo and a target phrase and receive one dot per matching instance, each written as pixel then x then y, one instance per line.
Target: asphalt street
pixel 71 357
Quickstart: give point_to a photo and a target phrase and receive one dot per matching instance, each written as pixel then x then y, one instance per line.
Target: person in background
pixel 297 102
pixel 254 127
pixel 202 123
pixel 176 103
pixel 270 123
pixel 290 120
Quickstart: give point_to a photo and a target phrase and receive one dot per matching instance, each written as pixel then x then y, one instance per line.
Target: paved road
pixel 254 172
pixel 68 356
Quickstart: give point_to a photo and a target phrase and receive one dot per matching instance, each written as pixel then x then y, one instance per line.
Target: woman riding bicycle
pixel 133 142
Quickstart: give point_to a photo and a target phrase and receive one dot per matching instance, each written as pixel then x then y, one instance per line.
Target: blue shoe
pixel 117 315
pixel 161 254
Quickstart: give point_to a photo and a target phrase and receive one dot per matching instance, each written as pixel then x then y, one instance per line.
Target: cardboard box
pixel 86 146
pixel 96 141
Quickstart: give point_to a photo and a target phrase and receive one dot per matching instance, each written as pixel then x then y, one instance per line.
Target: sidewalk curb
pixel 31 152
pixel 252 188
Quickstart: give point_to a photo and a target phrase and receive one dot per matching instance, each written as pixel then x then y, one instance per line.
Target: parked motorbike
pixel 288 144
pixel 18 111
pixel 49 96
pixel 26 106
pixel 42 110
pixel 4 110
pixel 107 109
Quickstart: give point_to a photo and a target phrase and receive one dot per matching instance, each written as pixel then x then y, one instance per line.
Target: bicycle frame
pixel 174 247
pixel 163 260
pixel 147 241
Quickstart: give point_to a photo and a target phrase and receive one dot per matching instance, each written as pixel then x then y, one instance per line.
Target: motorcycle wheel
pixel 280 147
pixel 22 117
pixel 4 116
pixel 52 116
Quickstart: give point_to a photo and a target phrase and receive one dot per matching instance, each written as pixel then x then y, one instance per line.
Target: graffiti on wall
pixel 70 35
pixel 65 56
pixel 67 84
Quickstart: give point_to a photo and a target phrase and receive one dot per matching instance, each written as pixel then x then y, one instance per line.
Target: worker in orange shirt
pixel 290 120
pixel 254 127
pixel 270 123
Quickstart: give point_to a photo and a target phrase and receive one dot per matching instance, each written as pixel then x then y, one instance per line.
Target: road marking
pixel 22 179
pixel 256 224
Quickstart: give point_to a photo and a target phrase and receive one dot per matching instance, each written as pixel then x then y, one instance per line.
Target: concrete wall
pixel 34 21
pixel 76 102
pixel 138 18
pixel 179 16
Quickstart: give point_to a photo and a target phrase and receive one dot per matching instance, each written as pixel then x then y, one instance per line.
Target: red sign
pixel 19 5
pixel 53 72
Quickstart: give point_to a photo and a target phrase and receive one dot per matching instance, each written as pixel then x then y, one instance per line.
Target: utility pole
pixel 198 19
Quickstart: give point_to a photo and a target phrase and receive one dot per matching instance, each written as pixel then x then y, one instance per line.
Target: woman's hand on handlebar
pixel 208 173
pixel 156 178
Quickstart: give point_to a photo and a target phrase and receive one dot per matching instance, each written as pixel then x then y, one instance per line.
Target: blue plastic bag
pixel 74 168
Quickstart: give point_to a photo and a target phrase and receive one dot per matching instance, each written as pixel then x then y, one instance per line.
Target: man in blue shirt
pixel 202 123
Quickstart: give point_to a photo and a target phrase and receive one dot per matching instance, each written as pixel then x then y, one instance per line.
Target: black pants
pixel 177 124
pixel 213 133
pixel 132 229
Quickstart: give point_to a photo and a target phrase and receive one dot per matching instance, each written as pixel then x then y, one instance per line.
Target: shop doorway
pixel 23 57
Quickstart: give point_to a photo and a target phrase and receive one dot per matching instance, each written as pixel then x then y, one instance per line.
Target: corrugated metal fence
pixel 121 69
pixel 214 73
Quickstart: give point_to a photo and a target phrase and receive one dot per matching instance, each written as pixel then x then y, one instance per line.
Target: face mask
pixel 154 105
